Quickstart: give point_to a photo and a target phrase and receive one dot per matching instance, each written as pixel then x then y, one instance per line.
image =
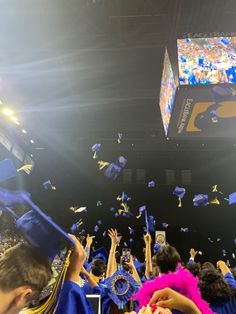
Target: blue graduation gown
pixel 73 300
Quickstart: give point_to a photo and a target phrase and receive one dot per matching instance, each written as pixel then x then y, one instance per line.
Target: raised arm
pixel 134 273
pixel 77 259
pixel 89 241
pixel 148 255
pixel 111 264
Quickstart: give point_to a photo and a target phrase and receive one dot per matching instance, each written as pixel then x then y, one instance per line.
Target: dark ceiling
pixel 80 72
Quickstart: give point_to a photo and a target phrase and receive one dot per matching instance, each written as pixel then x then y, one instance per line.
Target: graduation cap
pixel 7 170
pixel 151 184
pixel 100 253
pixel 156 247
pixel 142 209
pixel 75 227
pixel 41 232
pixel 179 192
pixel 121 161
pixel 112 171
pixel 48 185
pixel 164 225
pixel 96 148
pixel 232 198
pixel 150 224
pixel 96 228
pixel 200 200
pixel 120 287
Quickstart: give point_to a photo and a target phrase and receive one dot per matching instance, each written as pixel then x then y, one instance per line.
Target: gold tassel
pixel 51 304
pixel 215 201
pixel 180 202
pixel 214 189
pixel 95 156
pixel 26 168
pixel 103 164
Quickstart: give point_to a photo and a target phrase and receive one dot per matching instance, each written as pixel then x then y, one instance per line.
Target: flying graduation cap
pixel 179 192
pixel 95 149
pixel 151 184
pixel 232 198
pixel 200 200
pixel 48 185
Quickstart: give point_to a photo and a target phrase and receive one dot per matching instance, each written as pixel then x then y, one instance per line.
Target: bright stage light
pixel 24 131
pixel 14 120
pixel 7 112
pixel 32 141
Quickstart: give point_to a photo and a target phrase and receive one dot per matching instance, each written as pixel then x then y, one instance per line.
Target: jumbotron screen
pixel 167 92
pixel 207 60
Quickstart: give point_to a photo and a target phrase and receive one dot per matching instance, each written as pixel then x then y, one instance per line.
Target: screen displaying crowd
pixel 207 60
pixel 167 92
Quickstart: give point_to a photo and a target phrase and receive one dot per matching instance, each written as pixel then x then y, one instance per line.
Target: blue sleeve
pixel 72 298
pixel 191 261
pixel 89 290
pixel 229 278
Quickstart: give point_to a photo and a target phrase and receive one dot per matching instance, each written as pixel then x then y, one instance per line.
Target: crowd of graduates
pixel 161 283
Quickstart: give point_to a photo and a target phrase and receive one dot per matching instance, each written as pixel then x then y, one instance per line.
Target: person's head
pixel 167 259
pixel 98 268
pixel 213 286
pixel 194 268
pixel 24 272
pixel 208 265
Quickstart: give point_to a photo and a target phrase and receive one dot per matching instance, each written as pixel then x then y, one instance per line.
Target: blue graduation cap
pixel 96 148
pixel 121 286
pixel 200 200
pixel 184 229
pixel 121 161
pixel 48 185
pixel 142 209
pixel 164 225
pixel 7 170
pixel 96 228
pixel 156 247
pixel 112 171
pixel 232 198
pixel 36 227
pixel 151 184
pixel 100 253
pixel 150 224
pixel 179 192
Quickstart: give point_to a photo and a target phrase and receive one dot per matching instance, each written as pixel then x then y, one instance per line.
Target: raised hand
pixel 89 240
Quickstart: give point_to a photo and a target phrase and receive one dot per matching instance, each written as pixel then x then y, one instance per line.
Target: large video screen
pixel 207 60
pixel 167 92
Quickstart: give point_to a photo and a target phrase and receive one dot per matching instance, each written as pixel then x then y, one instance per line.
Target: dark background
pixel 77 74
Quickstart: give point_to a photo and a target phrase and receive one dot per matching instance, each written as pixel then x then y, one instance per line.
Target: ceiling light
pixel 32 141
pixel 15 120
pixel 24 131
pixel 7 112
